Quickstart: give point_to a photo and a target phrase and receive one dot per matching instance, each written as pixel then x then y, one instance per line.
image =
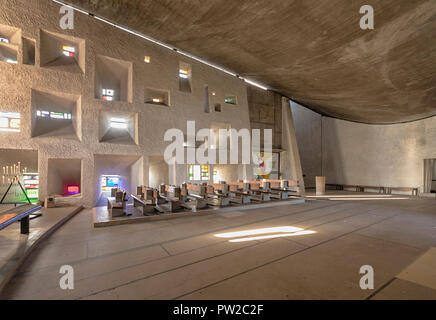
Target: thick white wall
pixel 309 136
pixel 17 82
pixel 354 153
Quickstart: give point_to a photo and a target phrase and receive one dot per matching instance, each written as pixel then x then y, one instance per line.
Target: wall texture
pixel 309 137
pixel 353 153
pixel 40 18
pixel 270 110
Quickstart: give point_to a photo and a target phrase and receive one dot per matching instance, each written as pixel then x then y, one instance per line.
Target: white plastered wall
pixel 17 82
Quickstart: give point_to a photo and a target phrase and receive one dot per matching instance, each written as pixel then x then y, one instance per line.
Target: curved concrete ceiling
pixel 312 51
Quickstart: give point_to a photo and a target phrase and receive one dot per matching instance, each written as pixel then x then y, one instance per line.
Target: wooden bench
pixel 146 194
pixel 257 191
pixel 378 188
pixel 168 198
pixel 414 191
pixel 170 205
pixel 21 214
pixel 238 193
pixel 278 189
pixel 146 205
pixel 196 196
pixel 115 208
pixel 218 194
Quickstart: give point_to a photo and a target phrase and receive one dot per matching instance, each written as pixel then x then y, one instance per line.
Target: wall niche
pixel 10 41
pixel 56 115
pixel 113 79
pixel 185 77
pixel 157 97
pixel 61 52
pixel 64 177
pixel 28 51
pixel 118 127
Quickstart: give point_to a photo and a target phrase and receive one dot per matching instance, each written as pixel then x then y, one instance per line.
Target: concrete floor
pixel 183 259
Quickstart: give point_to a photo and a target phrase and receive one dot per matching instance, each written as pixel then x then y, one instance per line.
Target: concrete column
pixel 291 163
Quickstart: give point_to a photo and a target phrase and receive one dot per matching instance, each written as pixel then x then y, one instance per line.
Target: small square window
pixel 218 107
pixel 157 96
pixel 231 100
pixel 185 77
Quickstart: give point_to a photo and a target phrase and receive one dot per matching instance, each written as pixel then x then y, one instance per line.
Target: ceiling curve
pixel 312 51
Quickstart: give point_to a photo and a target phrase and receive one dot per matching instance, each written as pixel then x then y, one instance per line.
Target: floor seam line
pixel 169 254
pixel 273 261
pixel 185 238
pixel 385 285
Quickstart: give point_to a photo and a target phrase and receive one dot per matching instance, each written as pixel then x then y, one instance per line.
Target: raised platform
pixel 16 247
pixel 101 216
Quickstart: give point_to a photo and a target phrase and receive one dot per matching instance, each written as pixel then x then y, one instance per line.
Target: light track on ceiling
pixel 162 44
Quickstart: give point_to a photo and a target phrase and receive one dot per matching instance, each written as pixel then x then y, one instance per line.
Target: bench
pixel 146 205
pixel 238 193
pixel 260 190
pixel 378 188
pixel 196 196
pixel 218 194
pixel 195 202
pixel 21 214
pixel 414 191
pixel 171 205
pixel 115 208
pixel 278 189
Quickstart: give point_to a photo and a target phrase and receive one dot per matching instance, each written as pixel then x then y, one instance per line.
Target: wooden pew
pixel 146 194
pixel 239 193
pixel 378 188
pixel 257 191
pixel 196 196
pixel 116 203
pixel 218 193
pixel 168 199
pixel 146 205
pixel 278 189
pixel 414 191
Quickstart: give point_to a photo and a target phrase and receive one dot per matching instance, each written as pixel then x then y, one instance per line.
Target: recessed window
pixel 10 122
pixel 109 182
pixel 118 127
pixel 156 96
pixel 118 123
pixel 206 99
pixel 64 176
pixel 28 51
pixel 108 94
pixel 54 115
pixel 69 51
pixel 9 44
pixel 217 107
pixel 62 52
pixel 231 99
pixel 185 77
pixel 31 185
pixel 198 172
pixel 113 79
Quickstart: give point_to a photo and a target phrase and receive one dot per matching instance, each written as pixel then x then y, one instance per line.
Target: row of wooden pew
pixel 169 198
pixel 379 189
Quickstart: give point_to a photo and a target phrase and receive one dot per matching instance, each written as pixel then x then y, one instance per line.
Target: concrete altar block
pixel 320 186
